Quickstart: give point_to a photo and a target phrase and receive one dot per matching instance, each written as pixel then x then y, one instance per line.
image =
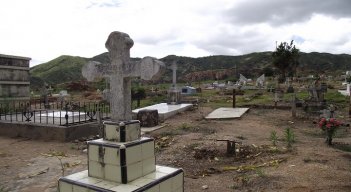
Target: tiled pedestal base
pixel 164 179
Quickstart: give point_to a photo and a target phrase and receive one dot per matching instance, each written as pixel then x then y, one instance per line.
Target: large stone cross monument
pixel 122 160
pixel 120 71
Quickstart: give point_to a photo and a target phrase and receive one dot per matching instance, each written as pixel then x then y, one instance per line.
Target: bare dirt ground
pixel 189 141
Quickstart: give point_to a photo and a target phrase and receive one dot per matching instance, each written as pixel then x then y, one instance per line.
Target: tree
pixel 285 58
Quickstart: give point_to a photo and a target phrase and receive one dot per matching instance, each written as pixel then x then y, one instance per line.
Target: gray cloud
pixel 108 3
pixel 280 12
pixel 236 43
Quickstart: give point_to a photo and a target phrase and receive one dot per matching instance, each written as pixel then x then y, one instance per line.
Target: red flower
pixel 330 124
pixel 323 120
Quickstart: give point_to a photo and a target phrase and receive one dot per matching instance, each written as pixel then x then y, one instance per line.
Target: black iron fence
pixel 64 113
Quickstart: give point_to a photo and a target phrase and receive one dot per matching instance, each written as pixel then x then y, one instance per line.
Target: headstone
pixel 316 91
pixel 148 117
pixel 174 94
pixel 62 95
pixel 260 81
pixel 242 80
pixel 106 95
pixel 44 95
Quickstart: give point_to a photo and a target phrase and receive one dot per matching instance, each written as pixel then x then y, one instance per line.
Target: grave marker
pixel 174 94
pixel 120 71
pixel 122 160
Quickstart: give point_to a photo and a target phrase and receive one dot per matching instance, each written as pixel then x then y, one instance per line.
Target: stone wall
pixel 47 132
pixel 14 77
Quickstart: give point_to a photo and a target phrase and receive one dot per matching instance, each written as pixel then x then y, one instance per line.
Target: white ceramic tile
pixel 134 171
pixel 155 188
pixel 90 180
pixel 166 186
pixel 65 187
pixel 111 133
pixel 177 181
pixel 77 188
pixel 140 182
pixel 113 173
pixel 148 150
pixel 155 175
pixel 132 131
pixel 167 170
pixel 106 184
pixel 93 153
pixel 133 154
pixel 95 169
pixel 149 165
pixel 124 188
pixel 77 176
pixel 112 156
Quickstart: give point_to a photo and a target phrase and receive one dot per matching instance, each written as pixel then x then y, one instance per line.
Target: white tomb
pixel 345 92
pixel 166 110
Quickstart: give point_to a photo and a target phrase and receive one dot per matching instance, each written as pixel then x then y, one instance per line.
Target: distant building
pixel 14 77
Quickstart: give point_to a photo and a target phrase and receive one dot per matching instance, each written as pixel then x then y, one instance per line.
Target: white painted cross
pixel 120 72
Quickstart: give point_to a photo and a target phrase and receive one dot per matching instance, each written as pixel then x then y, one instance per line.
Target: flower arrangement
pixel 329 125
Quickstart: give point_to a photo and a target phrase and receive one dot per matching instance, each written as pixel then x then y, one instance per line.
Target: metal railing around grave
pixel 56 113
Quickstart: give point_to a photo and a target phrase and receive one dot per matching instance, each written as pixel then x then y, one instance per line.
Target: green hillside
pixel 62 69
pixel 68 68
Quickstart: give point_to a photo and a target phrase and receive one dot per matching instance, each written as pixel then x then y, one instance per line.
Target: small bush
pixel 274 138
pixel 289 137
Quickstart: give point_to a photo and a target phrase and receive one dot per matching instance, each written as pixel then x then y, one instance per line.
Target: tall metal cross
pixel 120 71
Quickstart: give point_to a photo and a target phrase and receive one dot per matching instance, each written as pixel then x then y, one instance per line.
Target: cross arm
pixel 94 69
pixel 148 68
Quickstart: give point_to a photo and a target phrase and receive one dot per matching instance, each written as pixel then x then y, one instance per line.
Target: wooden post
pixel 234 98
pixel 230 148
pixel 293 105
pixel 275 98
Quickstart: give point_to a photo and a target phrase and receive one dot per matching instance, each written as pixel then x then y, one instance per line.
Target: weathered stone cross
pixel 174 69
pixel 120 72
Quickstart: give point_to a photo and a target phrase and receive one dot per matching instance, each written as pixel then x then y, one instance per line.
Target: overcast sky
pixel 46 29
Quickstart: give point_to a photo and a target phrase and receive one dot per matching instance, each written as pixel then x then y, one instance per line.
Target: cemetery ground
pixel 189 141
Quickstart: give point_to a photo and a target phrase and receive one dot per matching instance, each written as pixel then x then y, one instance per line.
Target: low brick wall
pixel 47 132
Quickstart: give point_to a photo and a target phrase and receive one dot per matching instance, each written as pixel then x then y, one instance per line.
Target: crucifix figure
pixel 120 72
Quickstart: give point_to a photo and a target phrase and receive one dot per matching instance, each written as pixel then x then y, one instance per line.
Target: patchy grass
pixel 241 137
pixel 3 189
pixel 342 147
pixel 309 160
pixel 192 146
pixel 336 97
pixel 260 172
pixel 317 133
pixel 185 128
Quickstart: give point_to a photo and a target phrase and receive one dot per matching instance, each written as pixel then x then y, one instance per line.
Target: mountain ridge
pixel 67 68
